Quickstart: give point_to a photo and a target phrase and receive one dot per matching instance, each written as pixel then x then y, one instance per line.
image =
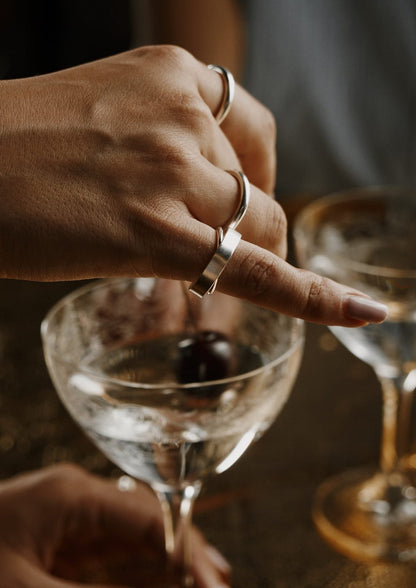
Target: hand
pixel 117 168
pixel 61 526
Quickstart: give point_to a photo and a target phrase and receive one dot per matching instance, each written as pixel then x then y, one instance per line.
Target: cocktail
pixel 366 238
pixel 171 388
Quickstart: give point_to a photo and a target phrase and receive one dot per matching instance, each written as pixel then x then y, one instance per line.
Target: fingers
pixel 100 508
pixel 124 516
pixel 216 203
pixel 267 280
pixel 93 505
pixel 258 275
pixel 211 569
pixel 71 514
pixel 18 570
pixel 249 126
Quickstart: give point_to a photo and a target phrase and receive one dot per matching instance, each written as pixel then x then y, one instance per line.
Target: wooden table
pixel 257 513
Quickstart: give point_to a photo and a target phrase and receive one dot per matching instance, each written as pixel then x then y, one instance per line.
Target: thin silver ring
pixel 245 192
pixel 207 281
pixel 226 242
pixel 229 91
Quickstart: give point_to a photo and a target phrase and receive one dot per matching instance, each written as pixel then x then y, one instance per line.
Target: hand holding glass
pixel 171 389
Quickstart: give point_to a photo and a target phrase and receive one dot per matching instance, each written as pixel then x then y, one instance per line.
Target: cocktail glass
pixel 366 238
pixel 172 389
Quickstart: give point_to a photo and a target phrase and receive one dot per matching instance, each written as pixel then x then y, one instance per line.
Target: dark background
pixel 258 513
pixel 46 35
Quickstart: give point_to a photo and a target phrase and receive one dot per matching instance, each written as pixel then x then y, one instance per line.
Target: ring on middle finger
pixel 227 242
pixel 245 192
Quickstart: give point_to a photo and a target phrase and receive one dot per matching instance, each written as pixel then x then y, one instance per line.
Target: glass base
pixel 368 515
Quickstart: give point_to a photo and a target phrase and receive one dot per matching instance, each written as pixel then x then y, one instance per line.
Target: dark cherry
pixel 205 357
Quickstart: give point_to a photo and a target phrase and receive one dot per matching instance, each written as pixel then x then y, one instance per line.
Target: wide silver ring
pixel 229 91
pixel 220 238
pixel 207 281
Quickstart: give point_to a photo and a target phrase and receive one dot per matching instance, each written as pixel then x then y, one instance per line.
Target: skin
pixel 61 523
pixel 117 168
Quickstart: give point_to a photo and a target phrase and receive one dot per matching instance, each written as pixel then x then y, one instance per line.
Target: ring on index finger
pixel 229 90
pixel 227 243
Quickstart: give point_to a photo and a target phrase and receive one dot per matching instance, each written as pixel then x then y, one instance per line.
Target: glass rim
pixel 84 370
pixel 349 194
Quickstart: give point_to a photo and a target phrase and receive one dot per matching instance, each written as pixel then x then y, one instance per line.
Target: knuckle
pixel 315 287
pixel 173 157
pixel 268 125
pixel 260 273
pixel 176 161
pixel 189 110
pixel 177 54
pixel 277 232
pixel 64 477
pixel 170 54
pixel 172 154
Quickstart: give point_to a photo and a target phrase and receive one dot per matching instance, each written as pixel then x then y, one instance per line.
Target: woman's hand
pixel 117 168
pixel 61 526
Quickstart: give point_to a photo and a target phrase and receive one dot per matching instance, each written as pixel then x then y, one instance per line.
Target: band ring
pixel 207 281
pixel 226 243
pixel 244 198
pixel 220 238
pixel 229 91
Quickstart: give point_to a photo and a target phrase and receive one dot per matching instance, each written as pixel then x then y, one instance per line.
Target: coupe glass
pixel 366 238
pixel 171 388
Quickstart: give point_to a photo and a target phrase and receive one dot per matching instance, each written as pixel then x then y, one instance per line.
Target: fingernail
pixel 217 559
pixel 365 309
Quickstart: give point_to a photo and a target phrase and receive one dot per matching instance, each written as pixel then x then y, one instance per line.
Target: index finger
pixel 249 126
pixel 263 278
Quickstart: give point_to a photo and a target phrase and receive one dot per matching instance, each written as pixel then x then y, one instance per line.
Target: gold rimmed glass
pixel 366 238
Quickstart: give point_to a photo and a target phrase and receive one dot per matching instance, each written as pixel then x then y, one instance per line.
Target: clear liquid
pixel 390 347
pixel 172 438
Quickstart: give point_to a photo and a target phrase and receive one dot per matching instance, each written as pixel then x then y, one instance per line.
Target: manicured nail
pixel 365 309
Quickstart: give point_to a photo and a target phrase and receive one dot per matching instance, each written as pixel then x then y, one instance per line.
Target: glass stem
pixel 177 507
pixel 397 407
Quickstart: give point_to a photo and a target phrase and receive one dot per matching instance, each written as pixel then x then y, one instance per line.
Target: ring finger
pixel 264 223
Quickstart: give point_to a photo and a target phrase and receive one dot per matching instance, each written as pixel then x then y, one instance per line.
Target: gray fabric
pixel 340 77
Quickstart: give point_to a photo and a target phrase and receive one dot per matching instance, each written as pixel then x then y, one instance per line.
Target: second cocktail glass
pixel 366 238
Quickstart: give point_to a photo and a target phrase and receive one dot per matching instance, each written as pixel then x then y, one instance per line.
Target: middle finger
pixel 217 198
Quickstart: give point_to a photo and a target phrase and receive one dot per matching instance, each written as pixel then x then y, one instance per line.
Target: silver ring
pixel 244 198
pixel 220 238
pixel 207 281
pixel 229 91
pixel 226 243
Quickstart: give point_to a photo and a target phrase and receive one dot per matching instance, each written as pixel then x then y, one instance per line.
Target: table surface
pixel 257 513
